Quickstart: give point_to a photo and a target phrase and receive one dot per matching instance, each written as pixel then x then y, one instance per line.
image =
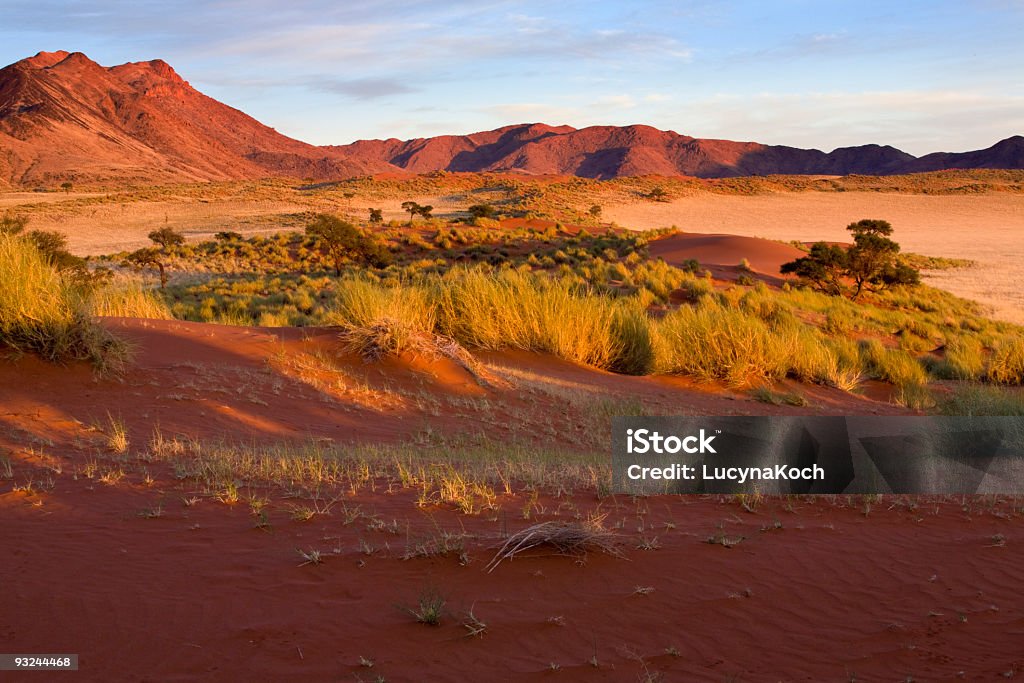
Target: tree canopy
pixel 342 241
pixel 869 264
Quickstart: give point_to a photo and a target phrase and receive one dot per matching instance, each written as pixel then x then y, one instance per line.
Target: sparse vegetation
pixel 564 538
pixel 429 609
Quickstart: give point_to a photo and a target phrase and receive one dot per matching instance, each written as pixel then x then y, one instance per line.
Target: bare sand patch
pixel 988 229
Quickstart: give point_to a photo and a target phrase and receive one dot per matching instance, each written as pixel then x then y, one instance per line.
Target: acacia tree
pixel 164 239
pixel 658 194
pixel 342 241
pixel 149 256
pixel 376 216
pixel 413 208
pixel 870 263
pixel 872 258
pixel 824 268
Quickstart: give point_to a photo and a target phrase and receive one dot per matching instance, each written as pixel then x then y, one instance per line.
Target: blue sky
pixel 923 76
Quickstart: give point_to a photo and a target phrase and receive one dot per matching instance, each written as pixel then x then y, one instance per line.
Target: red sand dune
pixel 214 381
pixel 722 254
pixel 818 588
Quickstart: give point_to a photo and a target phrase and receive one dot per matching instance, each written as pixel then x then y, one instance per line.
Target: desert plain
pixel 276 501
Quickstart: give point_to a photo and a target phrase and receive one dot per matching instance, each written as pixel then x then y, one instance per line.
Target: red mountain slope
pixel 62 116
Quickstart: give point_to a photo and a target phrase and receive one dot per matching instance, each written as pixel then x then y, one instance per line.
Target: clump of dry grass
pixel 127 299
pixel 1006 366
pixel 392 337
pixel 566 538
pixel 43 311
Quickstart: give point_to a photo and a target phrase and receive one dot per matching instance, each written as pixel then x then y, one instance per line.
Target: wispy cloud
pixel 362 88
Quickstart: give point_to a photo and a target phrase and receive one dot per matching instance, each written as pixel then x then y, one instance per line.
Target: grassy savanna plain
pixel 403 468
pixel 932 212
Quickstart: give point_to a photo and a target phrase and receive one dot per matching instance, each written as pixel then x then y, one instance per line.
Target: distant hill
pixel 63 116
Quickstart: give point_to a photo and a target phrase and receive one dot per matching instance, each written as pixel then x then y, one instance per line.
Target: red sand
pixel 835 590
pixel 725 252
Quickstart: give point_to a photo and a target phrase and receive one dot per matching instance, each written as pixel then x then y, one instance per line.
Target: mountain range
pixel 65 117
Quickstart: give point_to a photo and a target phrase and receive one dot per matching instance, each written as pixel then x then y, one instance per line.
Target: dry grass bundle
pixel 127 299
pixel 42 311
pixel 392 337
pixel 567 538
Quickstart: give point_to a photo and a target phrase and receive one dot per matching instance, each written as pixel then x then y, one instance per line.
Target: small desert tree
pixel 824 268
pixel 658 194
pixel 149 256
pixel 413 208
pixel 872 258
pixel 66 186
pixel 166 238
pixel 870 263
pixel 595 211
pixel 376 216
pixel 342 241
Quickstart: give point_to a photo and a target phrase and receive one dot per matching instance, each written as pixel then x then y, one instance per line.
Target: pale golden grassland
pixel 97 223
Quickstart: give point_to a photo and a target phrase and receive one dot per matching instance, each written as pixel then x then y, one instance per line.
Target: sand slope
pixel 814 589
